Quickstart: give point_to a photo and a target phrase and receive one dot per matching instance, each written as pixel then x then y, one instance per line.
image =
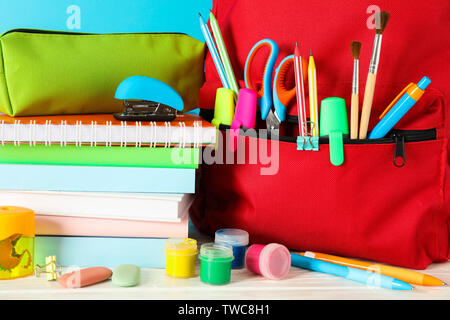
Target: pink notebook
pixel 77 226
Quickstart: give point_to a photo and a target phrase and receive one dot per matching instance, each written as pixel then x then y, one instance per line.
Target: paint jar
pixel 16 242
pixel 180 257
pixel 236 238
pixel 272 261
pixel 215 265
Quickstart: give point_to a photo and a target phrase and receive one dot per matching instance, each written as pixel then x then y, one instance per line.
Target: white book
pixel 123 206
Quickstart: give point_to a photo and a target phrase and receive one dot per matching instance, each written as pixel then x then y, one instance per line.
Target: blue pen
pixel 411 94
pixel 362 276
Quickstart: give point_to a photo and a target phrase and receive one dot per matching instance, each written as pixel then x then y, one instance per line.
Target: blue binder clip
pixel 308 143
pixel 147 99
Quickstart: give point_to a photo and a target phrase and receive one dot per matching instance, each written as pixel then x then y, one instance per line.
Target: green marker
pixel 223 54
pixel 334 124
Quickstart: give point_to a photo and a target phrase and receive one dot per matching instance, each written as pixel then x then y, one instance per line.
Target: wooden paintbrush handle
pixel 354 117
pixel 367 105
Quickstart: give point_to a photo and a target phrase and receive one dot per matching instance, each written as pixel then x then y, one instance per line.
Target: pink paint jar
pixel 272 261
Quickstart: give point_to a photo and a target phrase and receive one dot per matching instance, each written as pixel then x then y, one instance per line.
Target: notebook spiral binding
pixel 18 126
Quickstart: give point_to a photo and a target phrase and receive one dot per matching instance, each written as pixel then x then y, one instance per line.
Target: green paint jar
pixel 215 263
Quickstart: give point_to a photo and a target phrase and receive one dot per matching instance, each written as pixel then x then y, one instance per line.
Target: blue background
pixel 106 16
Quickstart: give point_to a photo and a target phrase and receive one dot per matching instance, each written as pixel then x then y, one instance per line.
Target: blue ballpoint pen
pixel 369 278
pixel 409 96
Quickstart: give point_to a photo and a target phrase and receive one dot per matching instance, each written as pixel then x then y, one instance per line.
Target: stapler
pixel 147 99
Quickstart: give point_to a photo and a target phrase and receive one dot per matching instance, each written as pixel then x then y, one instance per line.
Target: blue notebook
pixel 96 179
pixel 107 252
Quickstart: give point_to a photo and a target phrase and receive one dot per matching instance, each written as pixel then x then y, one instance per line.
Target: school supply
pixel 223 54
pixel 213 51
pixel 180 257
pixel 410 276
pixel 16 242
pixel 354 113
pixel 73 155
pixel 123 206
pixel 101 251
pixel 51 269
pixel 272 261
pixel 103 129
pixel 126 275
pixel 96 227
pixel 215 263
pixel 362 276
pixel 381 20
pixel 223 107
pixel 300 91
pixel 96 179
pixel 313 106
pixel 244 116
pixel 334 124
pixel 85 277
pixel 238 240
pixel 73 73
pixel 147 99
pixel 399 107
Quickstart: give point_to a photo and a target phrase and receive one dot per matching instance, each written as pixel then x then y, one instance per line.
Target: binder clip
pixel 308 142
pixel 51 269
pixel 147 99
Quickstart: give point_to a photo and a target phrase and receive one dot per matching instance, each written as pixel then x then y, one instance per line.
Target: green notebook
pixel 100 156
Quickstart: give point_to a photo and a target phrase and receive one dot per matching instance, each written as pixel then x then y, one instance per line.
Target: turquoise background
pixel 106 16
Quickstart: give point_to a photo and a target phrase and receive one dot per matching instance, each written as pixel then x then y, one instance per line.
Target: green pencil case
pixel 50 72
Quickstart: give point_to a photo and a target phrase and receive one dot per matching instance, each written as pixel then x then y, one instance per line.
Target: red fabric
pixel 366 208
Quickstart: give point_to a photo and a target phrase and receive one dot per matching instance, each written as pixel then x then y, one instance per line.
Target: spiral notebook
pixel 103 129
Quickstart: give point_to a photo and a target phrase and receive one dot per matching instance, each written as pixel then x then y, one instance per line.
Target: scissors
pixel 277 96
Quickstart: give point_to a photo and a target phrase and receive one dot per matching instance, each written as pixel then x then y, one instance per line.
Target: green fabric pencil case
pixel 50 72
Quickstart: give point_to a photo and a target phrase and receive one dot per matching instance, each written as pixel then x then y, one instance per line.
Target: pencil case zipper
pixel 38 31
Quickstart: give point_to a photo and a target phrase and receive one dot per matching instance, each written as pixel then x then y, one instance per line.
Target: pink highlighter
pixel 272 261
pixel 244 115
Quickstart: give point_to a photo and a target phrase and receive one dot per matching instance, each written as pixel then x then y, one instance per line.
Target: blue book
pixel 107 252
pixel 96 179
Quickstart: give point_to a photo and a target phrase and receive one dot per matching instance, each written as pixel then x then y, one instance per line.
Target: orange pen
pixel 410 276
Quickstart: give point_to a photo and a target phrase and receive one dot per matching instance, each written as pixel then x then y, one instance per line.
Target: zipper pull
pixel 399 155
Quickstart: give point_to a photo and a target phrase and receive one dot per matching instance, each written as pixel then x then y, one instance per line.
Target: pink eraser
pixel 272 261
pixel 84 277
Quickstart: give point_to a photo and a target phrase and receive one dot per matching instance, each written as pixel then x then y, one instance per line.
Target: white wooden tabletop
pixel 298 285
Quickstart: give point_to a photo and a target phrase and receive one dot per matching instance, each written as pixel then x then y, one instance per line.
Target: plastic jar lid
pixel 233 237
pixel 16 220
pixel 217 252
pixel 274 261
pixel 181 246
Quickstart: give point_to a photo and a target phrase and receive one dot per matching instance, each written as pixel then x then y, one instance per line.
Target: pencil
pixel 312 85
pixel 410 276
pixel 212 49
pixel 223 54
pixel 298 70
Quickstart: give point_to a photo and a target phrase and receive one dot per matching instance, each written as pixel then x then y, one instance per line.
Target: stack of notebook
pixel 105 192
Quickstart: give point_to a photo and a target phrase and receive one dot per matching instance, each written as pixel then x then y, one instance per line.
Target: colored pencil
pixel 300 90
pixel 312 85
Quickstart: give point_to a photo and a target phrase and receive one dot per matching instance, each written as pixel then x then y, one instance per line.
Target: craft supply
pixel 313 107
pixel 51 269
pixel 381 20
pixel 224 107
pixel 238 240
pixel 272 261
pixel 147 99
pixel 362 276
pixel 300 90
pixel 126 275
pixel 213 51
pixel 85 277
pixel 16 242
pixel 244 116
pixel 215 263
pixel 223 53
pixel 180 257
pixel 399 107
pixel 409 276
pixel 354 114
pixel 334 124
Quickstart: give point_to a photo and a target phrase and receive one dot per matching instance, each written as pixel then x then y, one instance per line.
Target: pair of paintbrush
pixel 381 20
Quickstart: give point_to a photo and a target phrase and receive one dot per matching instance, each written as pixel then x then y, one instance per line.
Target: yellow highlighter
pixel 410 276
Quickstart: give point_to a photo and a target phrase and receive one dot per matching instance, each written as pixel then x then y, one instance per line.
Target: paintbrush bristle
pixel 381 20
pixel 356 49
